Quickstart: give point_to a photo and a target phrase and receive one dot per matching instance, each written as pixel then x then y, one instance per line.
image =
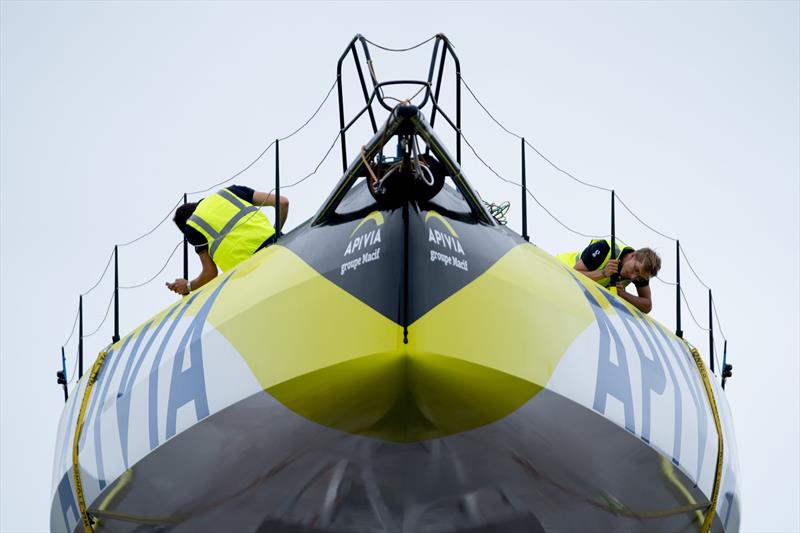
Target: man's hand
pixel 179 286
pixel 611 268
pixel 643 302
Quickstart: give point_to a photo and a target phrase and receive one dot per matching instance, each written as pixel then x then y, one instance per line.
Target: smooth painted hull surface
pixel 260 466
pixel 287 395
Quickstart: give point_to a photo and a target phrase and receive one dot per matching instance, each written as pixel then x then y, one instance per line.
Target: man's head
pixel 182 215
pixel 640 265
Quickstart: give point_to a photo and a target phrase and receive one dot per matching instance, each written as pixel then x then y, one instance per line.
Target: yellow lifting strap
pixel 712 506
pixel 76 471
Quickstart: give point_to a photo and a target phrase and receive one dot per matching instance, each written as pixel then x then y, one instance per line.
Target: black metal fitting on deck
pixel 727 369
pixel 377 93
pixel 351 48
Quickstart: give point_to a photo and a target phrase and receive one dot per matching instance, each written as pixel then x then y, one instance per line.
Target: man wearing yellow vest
pixel 225 229
pixel 633 266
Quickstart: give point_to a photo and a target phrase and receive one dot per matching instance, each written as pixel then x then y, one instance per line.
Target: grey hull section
pixel 256 466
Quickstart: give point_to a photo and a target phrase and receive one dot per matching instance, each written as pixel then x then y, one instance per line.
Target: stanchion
pixel 185 249
pixel 711 330
pixel 524 197
pixel 115 337
pixel 80 336
pixel 678 330
pixel 277 190
pixel 615 276
pixel 61 375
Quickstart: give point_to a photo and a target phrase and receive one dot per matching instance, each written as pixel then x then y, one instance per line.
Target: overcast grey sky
pixel 690 110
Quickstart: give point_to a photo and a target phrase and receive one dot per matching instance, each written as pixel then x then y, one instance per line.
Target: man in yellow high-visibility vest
pixel 633 266
pixel 225 229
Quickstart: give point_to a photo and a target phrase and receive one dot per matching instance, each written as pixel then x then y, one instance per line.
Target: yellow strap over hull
pixel 76 471
pixel 712 507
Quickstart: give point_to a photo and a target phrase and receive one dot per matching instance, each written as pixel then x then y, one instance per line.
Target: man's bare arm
pixel 208 273
pixel 263 198
pixel 643 302
pixel 597 275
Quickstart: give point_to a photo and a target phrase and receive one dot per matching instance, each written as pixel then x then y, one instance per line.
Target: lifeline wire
pixel 645 224
pixel 312 116
pixel 245 169
pixel 713 303
pixel 180 200
pixel 487 111
pixel 109 308
pixel 140 237
pixel 400 49
pixel 665 282
pixel 719 324
pixel 222 235
pixel 104 317
pixel 157 273
pixel 74 322
pixel 686 300
pixel 304 178
pixel 532 147
pixel 73 374
pixel 529 193
pixel 714 354
pixel 101 277
pixel 257 159
pixel 693 270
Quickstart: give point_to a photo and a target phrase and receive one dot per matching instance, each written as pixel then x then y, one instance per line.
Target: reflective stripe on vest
pixel 233 227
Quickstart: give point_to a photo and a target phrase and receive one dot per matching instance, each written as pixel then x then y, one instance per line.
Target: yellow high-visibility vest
pixel 571 259
pixel 234 227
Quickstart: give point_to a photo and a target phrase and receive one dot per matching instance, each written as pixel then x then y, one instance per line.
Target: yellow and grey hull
pixel 398 370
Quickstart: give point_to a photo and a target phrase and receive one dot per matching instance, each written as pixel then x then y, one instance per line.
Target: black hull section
pixel 257 466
